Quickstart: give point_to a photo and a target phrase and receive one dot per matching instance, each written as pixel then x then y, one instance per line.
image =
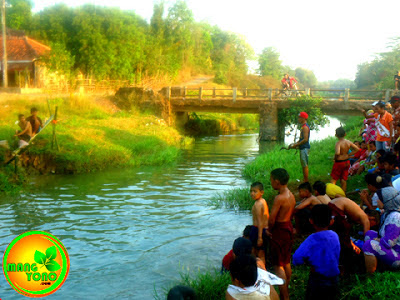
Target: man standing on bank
pixel 303 144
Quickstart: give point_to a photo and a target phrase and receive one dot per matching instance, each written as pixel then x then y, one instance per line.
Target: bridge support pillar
pixel 269 123
pixel 181 118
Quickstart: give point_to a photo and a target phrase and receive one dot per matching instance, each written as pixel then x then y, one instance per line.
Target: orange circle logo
pixel 36 264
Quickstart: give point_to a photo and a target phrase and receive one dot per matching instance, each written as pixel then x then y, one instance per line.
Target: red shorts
pixel 281 243
pixel 340 170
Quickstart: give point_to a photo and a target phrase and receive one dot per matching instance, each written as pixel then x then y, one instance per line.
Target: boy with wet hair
pixel 260 213
pixel 320 192
pixel 302 211
pixel 321 250
pixel 281 229
pixel 340 169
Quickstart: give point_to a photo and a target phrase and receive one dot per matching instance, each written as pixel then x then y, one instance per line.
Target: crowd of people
pixel 343 236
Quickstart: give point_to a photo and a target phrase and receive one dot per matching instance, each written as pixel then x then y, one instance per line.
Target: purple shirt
pixel 321 250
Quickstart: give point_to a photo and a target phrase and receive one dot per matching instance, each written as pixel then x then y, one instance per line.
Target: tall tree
pixel 19 14
pixel 269 63
pixel 306 77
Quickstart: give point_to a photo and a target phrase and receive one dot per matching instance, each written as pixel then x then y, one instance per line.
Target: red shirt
pixel 228 258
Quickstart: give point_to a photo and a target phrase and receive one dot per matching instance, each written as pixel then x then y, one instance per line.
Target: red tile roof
pixel 21 47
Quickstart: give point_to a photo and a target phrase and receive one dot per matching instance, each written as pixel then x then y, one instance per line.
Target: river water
pixel 132 231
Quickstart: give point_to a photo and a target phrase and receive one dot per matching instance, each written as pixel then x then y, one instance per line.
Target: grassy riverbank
pixel 93 135
pixel 210 284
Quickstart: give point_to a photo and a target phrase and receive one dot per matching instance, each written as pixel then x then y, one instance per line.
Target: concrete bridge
pixel 267 103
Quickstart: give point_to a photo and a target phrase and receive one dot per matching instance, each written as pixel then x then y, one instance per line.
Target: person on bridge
pixel 303 144
pixel 289 83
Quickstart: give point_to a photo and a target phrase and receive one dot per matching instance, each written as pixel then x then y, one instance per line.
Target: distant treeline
pixel 379 73
pixel 110 43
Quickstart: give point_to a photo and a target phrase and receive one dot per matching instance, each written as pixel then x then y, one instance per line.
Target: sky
pixel 328 37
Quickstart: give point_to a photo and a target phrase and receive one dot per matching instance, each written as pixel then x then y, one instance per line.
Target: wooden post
pixel 168 93
pixel 270 94
pixel 4 31
pixel 245 92
pixel 234 94
pixel 387 95
pixel 54 141
pixel 307 91
pixel 346 95
pixel 200 93
pixel 214 92
pixel 184 92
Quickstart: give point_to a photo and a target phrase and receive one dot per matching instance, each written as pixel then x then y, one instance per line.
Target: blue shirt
pixel 321 250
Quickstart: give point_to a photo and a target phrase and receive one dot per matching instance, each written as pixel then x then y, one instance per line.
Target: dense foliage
pixel 110 43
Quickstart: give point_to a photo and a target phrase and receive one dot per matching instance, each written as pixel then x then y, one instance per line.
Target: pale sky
pixel 329 37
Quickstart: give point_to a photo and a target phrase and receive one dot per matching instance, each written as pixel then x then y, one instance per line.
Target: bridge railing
pixel 182 93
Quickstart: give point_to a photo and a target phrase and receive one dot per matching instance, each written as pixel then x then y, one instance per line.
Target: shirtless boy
pixel 320 192
pixel 26 129
pixel 260 214
pixel 345 210
pixel 340 169
pixel 281 229
pixel 302 212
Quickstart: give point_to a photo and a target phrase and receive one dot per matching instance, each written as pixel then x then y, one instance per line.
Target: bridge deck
pixel 330 107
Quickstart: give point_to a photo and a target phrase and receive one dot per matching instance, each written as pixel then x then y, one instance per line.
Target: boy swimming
pixel 281 229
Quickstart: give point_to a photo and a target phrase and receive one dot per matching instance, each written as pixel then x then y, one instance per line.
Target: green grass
pixel 92 135
pixel 211 284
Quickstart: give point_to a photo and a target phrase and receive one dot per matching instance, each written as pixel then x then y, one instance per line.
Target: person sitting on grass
pixel 321 250
pixel 35 121
pixel 25 134
pixel 389 163
pixel 320 192
pixel 380 168
pixel 280 228
pixel 241 246
pixel 375 164
pixel 367 163
pixel 345 210
pixel 258 235
pixel 302 211
pixel 340 169
pixel 360 154
pixel 250 282
pixel 384 245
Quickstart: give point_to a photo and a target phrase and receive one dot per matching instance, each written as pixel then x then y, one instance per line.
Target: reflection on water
pixel 130 231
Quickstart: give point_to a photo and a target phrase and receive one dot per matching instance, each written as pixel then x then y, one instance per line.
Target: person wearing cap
pixel 303 144
pixel 395 102
pixel 384 125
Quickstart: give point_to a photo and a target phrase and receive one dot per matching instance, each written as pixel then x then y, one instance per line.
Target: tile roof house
pixel 23 56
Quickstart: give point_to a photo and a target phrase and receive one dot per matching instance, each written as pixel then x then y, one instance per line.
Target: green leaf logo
pixel 48 259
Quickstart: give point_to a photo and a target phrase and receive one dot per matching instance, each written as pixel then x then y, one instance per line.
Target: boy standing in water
pixel 281 229
pixel 340 169
pixel 260 213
